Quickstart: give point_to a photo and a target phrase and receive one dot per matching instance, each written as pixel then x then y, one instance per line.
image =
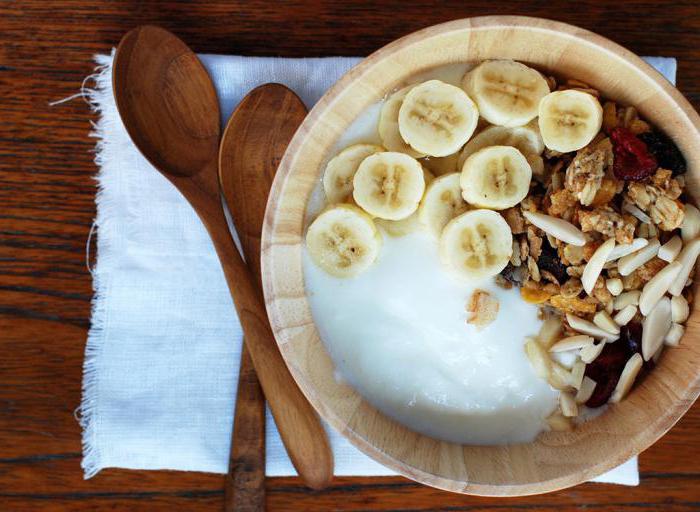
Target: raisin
pixel 665 151
pixel 632 159
pixel 549 260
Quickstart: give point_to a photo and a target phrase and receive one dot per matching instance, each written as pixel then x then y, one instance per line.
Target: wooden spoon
pixel 254 141
pixel 169 108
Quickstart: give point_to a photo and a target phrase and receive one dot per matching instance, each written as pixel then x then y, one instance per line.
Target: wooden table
pixel 47 205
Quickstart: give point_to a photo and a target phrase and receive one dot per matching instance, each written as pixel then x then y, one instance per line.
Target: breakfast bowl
pixel 554 459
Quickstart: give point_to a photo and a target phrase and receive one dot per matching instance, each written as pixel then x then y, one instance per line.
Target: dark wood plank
pixel 46 192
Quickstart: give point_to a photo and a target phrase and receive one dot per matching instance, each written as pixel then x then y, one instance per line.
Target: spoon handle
pixel 300 428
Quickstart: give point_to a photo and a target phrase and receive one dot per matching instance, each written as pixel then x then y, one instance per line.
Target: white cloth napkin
pixel 162 355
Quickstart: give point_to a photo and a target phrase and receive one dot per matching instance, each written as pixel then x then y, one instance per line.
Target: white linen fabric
pixel 162 355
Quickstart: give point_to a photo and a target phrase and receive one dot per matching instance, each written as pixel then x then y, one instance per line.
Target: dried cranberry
pixel 665 151
pixel 606 370
pixel 632 159
pixel 549 260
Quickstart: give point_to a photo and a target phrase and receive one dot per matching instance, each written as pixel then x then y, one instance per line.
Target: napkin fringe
pixel 96 98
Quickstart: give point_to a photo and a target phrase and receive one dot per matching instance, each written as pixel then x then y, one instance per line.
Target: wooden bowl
pixel 555 460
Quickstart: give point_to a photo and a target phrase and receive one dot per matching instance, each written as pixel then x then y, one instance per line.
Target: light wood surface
pixel 554 460
pixel 169 108
pixel 252 146
pixel 47 190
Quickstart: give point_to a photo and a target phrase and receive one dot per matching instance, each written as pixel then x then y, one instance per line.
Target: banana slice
pixel 496 177
pixel 569 119
pixel 477 244
pixel 388 126
pixel 389 185
pixel 343 241
pixel 436 118
pixel 337 178
pixel 506 92
pixel 526 138
pixel 441 203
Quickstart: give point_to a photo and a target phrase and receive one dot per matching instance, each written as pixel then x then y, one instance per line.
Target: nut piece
pixel 674 335
pixel 679 309
pixel 614 286
pixel 538 358
pixel 687 259
pixel 690 229
pixel 621 250
pixel 595 265
pixel 655 327
pixel 629 374
pixel 589 353
pixel 577 371
pixel 657 287
pixel 626 299
pixel 559 423
pixel 550 331
pixel 586 327
pixel 483 308
pixel 568 404
pixel 626 314
pixel 603 320
pixel 558 228
pixel 571 343
pixel 670 249
pixel 628 264
pixel 585 391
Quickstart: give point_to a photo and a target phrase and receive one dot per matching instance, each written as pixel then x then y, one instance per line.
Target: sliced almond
pixel 603 320
pixel 628 264
pixel 657 287
pixel 655 327
pixel 538 358
pixel 585 391
pixel 609 308
pixel 631 208
pixel 588 354
pixel 559 377
pixel 629 374
pixel 558 228
pixel 679 309
pixel 626 314
pixel 550 331
pixel 568 405
pixel 626 299
pixel 614 286
pixel 657 356
pixel 576 374
pixel 559 423
pixel 687 259
pixel 670 249
pixel 595 265
pixel 586 327
pixel 571 343
pixel 690 228
pixel 674 335
pixel 621 250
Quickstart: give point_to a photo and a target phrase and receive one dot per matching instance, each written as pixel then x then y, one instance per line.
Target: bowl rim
pixel 644 438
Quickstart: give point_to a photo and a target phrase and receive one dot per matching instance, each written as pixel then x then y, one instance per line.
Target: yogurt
pixel 398 334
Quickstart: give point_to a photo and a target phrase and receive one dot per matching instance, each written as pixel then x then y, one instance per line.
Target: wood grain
pixel 47 193
pixel 256 136
pixel 555 460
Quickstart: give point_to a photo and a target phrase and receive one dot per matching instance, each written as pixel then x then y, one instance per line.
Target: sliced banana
pixel 477 244
pixel 506 92
pixel 569 119
pixel 388 126
pixel 496 177
pixel 526 139
pixel 337 178
pixel 436 118
pixel 343 241
pixel 389 185
pixel 441 203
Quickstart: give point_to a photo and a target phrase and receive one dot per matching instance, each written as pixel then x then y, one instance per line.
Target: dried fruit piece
pixel 550 261
pixel 665 151
pixel 633 161
pixel 605 370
